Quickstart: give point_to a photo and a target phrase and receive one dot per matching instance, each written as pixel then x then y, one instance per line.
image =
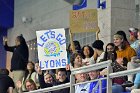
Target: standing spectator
pixel 135 61
pixel 122 33
pixel 110 52
pixel 98 48
pixel 29 74
pixel 6 83
pixel 87 55
pixel 123 49
pixel 19 58
pixel 133 38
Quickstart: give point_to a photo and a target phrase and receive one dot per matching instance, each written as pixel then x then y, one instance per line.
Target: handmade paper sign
pixel 51 45
pixel 83 21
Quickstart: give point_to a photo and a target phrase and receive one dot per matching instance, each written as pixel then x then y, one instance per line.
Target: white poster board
pixel 51 45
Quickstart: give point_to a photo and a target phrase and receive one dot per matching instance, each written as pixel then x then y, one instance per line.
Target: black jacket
pixel 66 90
pixel 5 83
pixel 19 58
pixel 45 85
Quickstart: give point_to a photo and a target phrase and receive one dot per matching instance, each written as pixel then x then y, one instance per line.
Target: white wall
pixel 45 14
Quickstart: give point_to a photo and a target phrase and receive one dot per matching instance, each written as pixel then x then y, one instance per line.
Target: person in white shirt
pixel 87 55
pixel 98 49
pixel 81 88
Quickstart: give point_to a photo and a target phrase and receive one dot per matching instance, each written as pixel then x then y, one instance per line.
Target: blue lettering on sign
pixel 40 44
pixel 58 38
pixel 51 35
pixel 58 63
pixel 41 65
pixel 63 62
pixel 52 64
pixel 44 39
pixel 47 33
pixel 46 62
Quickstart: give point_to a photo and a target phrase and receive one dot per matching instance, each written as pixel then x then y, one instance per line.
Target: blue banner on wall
pixel 3 32
pixel 79 5
pixel 6 13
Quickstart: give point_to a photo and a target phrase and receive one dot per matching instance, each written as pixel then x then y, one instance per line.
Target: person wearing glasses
pixel 29 85
pixel 81 88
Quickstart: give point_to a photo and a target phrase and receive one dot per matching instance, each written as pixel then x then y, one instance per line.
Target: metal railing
pixel 105 64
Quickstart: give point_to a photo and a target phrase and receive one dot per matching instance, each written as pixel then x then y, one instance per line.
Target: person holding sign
pixel 62 79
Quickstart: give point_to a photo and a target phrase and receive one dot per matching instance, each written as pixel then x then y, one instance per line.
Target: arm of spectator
pixel 41 78
pixel 19 86
pixel 95 56
pixel 42 82
pixel 10 90
pixel 103 72
pixel 6 47
pixel 97 34
pixel 67 67
pixel 71 42
pixel 104 85
pixel 38 70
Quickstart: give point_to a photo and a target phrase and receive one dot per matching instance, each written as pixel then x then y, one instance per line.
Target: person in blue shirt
pixel 94 86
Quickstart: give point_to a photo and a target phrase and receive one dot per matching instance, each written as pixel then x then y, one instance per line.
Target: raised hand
pixel 38 70
pixel 19 84
pixel 67 67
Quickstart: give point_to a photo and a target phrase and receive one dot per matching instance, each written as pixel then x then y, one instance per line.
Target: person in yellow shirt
pixel 123 50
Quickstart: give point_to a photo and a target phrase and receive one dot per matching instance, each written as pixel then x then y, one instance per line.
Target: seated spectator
pixel 135 61
pixel 29 85
pixel 6 83
pixel 81 88
pixel 94 86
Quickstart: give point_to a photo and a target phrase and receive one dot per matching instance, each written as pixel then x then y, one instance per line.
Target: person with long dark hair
pixel 87 55
pixel 30 73
pixel 19 58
